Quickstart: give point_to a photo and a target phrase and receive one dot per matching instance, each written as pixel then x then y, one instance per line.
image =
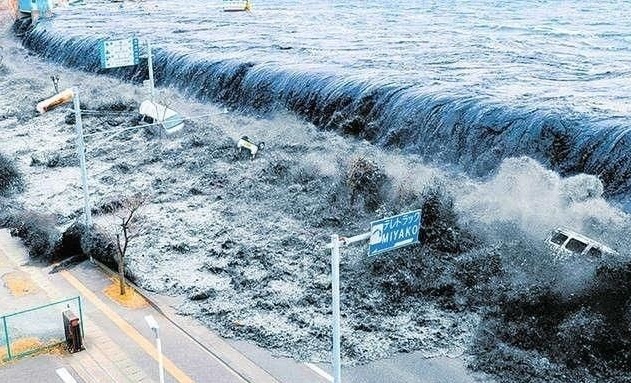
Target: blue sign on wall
pixel 24 5
pixel 393 232
pixel 43 6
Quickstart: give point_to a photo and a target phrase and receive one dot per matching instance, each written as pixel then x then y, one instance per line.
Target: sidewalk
pixel 102 360
pixel 119 346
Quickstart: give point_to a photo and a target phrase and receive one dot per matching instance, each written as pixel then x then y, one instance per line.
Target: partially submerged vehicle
pixel 154 113
pixel 567 243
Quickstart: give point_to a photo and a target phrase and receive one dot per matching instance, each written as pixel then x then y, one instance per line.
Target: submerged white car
pixel 567 243
pixel 171 121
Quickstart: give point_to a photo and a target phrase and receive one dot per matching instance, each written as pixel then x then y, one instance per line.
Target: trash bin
pixel 72 330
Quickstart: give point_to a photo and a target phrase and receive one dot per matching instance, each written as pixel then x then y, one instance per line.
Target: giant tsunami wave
pixel 472 132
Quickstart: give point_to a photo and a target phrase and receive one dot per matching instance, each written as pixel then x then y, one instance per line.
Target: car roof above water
pixel 570 234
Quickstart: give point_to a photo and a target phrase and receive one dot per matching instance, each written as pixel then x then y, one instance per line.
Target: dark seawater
pixel 460 82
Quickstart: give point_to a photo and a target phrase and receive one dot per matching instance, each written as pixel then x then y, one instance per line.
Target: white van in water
pixel 170 120
pixel 567 243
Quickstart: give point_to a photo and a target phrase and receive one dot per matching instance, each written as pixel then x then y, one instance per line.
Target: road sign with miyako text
pixel 394 232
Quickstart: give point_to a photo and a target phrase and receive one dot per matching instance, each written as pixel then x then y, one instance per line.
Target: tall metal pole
pixel 160 364
pixel 335 286
pixel 155 327
pixel 87 211
pixel 150 65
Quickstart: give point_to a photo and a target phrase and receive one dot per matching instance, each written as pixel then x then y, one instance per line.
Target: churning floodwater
pixel 460 82
pixel 356 103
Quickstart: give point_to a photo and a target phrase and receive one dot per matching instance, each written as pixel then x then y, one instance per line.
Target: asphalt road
pixel 219 360
pixel 120 338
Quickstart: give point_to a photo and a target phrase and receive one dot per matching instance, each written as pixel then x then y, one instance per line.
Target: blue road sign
pixel 393 232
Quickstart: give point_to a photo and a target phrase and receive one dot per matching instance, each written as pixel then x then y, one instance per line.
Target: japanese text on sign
pixel 393 232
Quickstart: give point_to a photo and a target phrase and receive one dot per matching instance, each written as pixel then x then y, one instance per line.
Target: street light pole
pixel 81 153
pixel 160 364
pixel 156 332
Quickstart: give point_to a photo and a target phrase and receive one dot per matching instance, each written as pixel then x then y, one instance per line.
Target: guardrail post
pixel 6 337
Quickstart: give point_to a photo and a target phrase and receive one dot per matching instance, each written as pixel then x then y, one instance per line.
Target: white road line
pixel 65 375
pixel 319 371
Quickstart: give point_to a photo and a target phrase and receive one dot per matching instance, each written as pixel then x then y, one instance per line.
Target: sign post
pixel 150 65
pixel 384 235
pixel 335 287
pixel 125 52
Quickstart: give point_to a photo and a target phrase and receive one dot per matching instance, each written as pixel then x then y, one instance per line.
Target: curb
pixel 136 288
pixel 220 358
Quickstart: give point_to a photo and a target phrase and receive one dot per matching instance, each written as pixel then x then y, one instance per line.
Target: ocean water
pixel 465 83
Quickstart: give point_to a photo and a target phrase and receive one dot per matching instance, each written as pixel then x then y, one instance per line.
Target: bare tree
pixel 128 226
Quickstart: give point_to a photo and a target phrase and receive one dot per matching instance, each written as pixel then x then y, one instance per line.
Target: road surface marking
pixel 319 371
pixel 65 375
pixel 200 345
pixel 131 332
